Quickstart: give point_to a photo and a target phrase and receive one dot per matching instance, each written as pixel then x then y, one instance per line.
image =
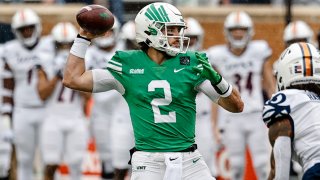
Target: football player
pixel 292 113
pixel 21 57
pixel 160 83
pixel 64 132
pixel 204 127
pixel 243 62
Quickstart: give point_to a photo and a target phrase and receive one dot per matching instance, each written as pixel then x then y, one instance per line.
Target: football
pixel 95 19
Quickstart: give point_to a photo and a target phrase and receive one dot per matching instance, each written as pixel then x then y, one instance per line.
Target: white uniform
pixel 303 108
pixel 28 113
pixel 204 132
pixel 109 112
pixel 5 146
pixel 245 74
pixel 64 133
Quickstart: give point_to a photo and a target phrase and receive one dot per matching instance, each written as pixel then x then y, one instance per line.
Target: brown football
pixel 95 19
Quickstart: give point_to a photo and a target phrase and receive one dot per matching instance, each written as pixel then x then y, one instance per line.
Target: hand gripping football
pixel 95 19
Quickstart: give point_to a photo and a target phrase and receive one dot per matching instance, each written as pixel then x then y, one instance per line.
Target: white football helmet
pixel 109 39
pixel 194 29
pixel 128 34
pixel 297 31
pixel 24 18
pixel 298 64
pixel 152 20
pixel 64 32
pixel 236 20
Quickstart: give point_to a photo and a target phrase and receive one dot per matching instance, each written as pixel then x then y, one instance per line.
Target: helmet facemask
pixel 166 36
pixel 238 43
pixel 30 40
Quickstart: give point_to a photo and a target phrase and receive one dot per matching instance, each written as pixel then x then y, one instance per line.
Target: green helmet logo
pixel 157 14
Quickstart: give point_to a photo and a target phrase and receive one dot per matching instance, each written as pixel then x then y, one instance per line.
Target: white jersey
pixel 98 59
pixel 64 101
pixel 203 116
pixel 302 107
pixel 22 63
pixel 244 72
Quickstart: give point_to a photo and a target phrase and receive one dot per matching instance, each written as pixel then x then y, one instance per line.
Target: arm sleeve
pixel 208 90
pixel 282 157
pixel 103 80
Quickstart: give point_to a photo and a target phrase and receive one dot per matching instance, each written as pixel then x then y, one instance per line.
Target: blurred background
pixel 269 16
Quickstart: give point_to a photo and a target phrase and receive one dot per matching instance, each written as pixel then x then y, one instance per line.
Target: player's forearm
pixel 7 96
pixel 232 103
pixel 45 86
pixel 75 76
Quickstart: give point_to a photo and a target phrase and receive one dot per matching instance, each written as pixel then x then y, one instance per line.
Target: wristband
pixel 79 36
pixel 79 47
pixel 223 88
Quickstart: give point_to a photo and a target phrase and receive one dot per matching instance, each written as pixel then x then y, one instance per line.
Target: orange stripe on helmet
pixel 307 59
pixel 23 18
pixel 65 30
pixel 238 18
pixel 294 29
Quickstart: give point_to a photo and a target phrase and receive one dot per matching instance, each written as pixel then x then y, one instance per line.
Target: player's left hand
pixel 205 69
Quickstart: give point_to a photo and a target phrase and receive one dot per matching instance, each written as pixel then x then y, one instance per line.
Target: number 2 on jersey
pixel 156 102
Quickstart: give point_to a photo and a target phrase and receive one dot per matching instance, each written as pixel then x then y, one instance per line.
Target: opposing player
pixel 6 134
pixel 243 62
pixel 64 132
pixel 159 83
pixel 105 103
pixel 204 127
pixel 21 55
pixel 297 31
pixel 292 113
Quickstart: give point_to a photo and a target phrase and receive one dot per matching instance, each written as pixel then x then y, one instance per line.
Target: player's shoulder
pixel 11 45
pixel 259 43
pixel 124 58
pixel 281 104
pixel 124 55
pixel 189 58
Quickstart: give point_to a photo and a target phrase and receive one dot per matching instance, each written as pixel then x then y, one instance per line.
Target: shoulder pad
pixel 276 108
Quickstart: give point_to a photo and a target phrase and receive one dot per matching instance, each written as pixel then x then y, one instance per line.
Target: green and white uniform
pixel 161 98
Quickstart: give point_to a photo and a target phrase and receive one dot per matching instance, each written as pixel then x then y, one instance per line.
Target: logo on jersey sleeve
pixel 275 108
pixel 185 60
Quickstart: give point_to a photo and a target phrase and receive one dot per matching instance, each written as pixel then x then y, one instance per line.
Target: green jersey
pixel 161 98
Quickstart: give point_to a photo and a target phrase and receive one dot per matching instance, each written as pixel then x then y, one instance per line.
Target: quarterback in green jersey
pixel 160 83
